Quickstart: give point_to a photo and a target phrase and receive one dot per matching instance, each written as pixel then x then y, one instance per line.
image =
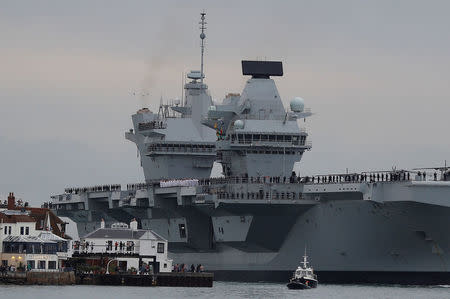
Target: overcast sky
pixel 376 73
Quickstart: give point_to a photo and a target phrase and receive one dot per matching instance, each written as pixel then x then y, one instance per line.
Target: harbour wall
pixel 38 278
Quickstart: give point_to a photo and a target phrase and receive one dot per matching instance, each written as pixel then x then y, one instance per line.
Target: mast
pixel 305 262
pixel 202 37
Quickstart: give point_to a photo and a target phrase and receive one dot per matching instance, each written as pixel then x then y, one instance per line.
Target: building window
pixel 27 230
pixel 182 229
pixel 52 264
pixel 165 265
pixel 22 230
pixel 41 265
pixel 160 248
pixel 6 230
pixel 9 230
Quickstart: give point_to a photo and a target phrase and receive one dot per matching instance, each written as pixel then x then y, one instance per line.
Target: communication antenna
pixel 202 37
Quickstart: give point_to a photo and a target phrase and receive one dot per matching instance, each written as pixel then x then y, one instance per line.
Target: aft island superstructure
pixel 253 222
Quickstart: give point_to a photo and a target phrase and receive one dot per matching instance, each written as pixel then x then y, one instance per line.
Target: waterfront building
pixel 24 245
pixel 128 245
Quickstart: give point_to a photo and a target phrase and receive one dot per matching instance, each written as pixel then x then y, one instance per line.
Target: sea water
pixel 224 290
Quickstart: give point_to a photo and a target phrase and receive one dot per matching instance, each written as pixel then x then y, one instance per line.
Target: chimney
pixel 134 224
pixel 102 223
pixel 11 201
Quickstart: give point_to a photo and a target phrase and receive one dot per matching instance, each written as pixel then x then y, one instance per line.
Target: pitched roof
pixel 40 214
pixel 5 218
pixel 26 239
pixel 123 233
pixel 49 236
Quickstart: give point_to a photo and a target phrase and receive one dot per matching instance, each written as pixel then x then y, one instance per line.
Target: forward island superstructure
pixel 249 224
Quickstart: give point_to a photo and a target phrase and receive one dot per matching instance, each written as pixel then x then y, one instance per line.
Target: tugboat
pixel 304 277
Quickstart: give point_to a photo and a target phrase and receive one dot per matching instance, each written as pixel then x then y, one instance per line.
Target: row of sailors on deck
pixel 364 177
pixel 259 195
pixel 115 187
pixel 375 177
pixel 138 186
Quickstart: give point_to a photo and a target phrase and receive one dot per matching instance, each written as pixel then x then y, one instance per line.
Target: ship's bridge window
pixel 295 140
pixel 279 138
pixel 241 137
pixel 271 138
pixel 302 140
pixel 248 137
pixel 264 137
pixel 256 137
pixel 288 138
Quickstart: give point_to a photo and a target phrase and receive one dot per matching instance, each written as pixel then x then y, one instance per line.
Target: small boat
pixel 304 277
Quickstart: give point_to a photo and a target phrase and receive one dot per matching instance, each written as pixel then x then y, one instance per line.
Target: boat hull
pixel 298 286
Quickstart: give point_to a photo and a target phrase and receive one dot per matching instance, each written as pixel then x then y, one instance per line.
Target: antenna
pixel 305 261
pixel 202 37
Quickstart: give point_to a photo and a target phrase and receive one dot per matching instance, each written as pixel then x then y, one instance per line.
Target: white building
pixel 128 245
pixel 24 247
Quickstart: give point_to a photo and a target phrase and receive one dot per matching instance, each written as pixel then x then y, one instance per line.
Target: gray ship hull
pixel 392 243
pixel 347 240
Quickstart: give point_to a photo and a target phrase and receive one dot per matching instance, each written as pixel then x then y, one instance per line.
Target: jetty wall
pixel 50 278
pixel 38 277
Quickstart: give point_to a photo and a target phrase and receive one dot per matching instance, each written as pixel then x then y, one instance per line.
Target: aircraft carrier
pixel 253 223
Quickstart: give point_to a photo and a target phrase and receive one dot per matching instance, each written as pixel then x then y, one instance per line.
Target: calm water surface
pixel 224 290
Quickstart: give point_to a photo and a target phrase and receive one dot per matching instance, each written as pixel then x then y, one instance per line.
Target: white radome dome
pixel 239 124
pixel 297 104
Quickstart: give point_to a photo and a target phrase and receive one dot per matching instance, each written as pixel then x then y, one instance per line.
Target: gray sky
pixel 375 72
